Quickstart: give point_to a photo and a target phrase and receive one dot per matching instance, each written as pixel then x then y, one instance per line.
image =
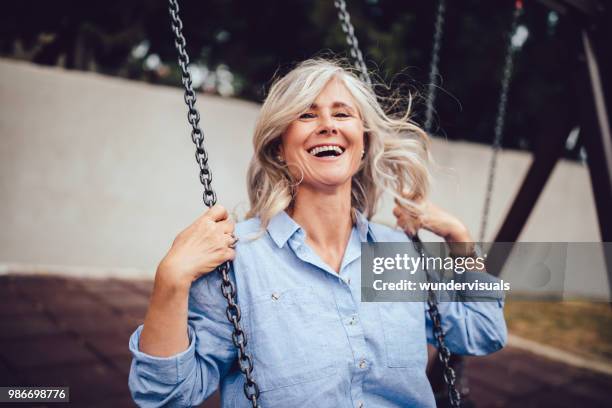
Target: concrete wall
pixel 98 173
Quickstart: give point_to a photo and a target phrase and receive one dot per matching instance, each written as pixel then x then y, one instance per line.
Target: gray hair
pixel 397 150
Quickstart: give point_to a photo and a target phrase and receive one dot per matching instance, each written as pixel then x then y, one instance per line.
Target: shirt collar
pixel 282 227
pixel 363 227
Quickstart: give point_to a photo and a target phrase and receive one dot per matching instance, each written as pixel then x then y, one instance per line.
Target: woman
pixel 325 151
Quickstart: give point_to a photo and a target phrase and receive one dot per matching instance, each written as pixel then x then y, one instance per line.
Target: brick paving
pixel 68 331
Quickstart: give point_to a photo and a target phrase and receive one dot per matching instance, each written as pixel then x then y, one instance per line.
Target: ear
pixel 366 141
pixel 279 152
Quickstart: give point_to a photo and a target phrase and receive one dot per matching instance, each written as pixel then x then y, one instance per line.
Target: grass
pixel 580 327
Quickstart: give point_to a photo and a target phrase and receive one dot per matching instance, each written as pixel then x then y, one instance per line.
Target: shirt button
pixel 349 281
pixel 360 404
pixel 275 296
pixel 362 364
pixel 353 321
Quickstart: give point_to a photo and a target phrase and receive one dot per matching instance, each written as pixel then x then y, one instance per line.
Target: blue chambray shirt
pixel 314 344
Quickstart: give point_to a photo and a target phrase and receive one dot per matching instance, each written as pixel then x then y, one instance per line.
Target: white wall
pixel 100 172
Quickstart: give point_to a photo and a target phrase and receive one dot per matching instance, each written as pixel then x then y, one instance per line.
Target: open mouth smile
pixel 326 151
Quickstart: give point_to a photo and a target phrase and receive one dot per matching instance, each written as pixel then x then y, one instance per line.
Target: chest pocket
pixel 404 332
pixel 288 341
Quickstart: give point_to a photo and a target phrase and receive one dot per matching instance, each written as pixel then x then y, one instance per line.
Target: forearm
pixel 473 328
pixel 165 330
pixel 184 348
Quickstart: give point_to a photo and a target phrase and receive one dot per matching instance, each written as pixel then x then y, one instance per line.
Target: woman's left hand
pixel 438 221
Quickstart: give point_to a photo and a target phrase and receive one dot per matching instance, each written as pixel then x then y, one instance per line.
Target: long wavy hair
pixel 396 149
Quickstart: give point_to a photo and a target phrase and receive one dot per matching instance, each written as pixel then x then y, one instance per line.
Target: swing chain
pixel 193 116
pixel 444 353
pixel 245 363
pixel 499 119
pixel 351 39
pixel 228 289
pixel 433 67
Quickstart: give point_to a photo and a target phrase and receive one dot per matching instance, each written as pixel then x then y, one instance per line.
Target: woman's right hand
pixel 200 248
pixel 196 251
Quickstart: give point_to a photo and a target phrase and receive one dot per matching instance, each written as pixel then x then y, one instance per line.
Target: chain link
pixel 448 374
pixel 500 119
pixel 433 67
pixel 351 39
pixel 443 351
pixel 347 27
pixel 444 354
pixel 245 363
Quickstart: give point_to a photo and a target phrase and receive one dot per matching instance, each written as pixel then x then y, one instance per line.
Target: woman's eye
pixel 342 115
pixel 307 116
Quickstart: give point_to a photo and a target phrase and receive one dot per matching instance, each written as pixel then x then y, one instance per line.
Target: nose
pixel 327 126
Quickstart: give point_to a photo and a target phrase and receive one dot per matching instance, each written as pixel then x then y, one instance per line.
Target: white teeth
pixel 316 150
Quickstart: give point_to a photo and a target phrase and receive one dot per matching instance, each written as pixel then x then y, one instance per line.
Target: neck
pixel 324 215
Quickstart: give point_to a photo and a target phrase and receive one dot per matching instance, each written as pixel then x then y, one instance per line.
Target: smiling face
pixel 325 142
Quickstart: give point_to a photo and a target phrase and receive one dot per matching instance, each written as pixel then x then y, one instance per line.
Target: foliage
pixel 257 40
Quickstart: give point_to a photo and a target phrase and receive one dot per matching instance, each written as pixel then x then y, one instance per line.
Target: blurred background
pixel 97 172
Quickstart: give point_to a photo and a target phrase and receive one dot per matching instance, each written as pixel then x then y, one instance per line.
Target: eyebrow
pixel 335 105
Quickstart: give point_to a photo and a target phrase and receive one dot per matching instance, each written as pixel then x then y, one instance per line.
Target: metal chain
pixel 500 119
pixel 444 352
pixel 351 39
pixel 433 67
pixel 239 338
pixel 450 375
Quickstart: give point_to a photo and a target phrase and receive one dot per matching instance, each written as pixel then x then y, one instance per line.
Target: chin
pixel 331 181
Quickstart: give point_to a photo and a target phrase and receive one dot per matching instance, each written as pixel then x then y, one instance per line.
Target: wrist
pixel 458 233
pixel 462 249
pixel 171 277
pixel 460 242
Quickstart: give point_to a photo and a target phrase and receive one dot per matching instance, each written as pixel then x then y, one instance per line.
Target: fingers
pixel 227 226
pixel 217 213
pixel 230 255
pixel 411 209
pixel 401 211
pixel 407 220
pixel 411 195
pixel 218 221
pixel 231 240
pixel 216 218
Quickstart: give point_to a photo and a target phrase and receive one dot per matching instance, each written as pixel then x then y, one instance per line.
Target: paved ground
pixel 62 331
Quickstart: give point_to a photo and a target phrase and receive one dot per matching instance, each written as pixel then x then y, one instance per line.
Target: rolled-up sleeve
pixel 187 378
pixel 475 327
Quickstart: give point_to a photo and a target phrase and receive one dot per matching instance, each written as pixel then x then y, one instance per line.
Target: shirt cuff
pixel 168 370
pixel 491 287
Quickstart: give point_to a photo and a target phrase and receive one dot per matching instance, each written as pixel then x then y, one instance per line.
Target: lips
pixel 329 150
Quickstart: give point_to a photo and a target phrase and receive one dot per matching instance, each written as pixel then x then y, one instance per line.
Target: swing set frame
pixel 579 53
